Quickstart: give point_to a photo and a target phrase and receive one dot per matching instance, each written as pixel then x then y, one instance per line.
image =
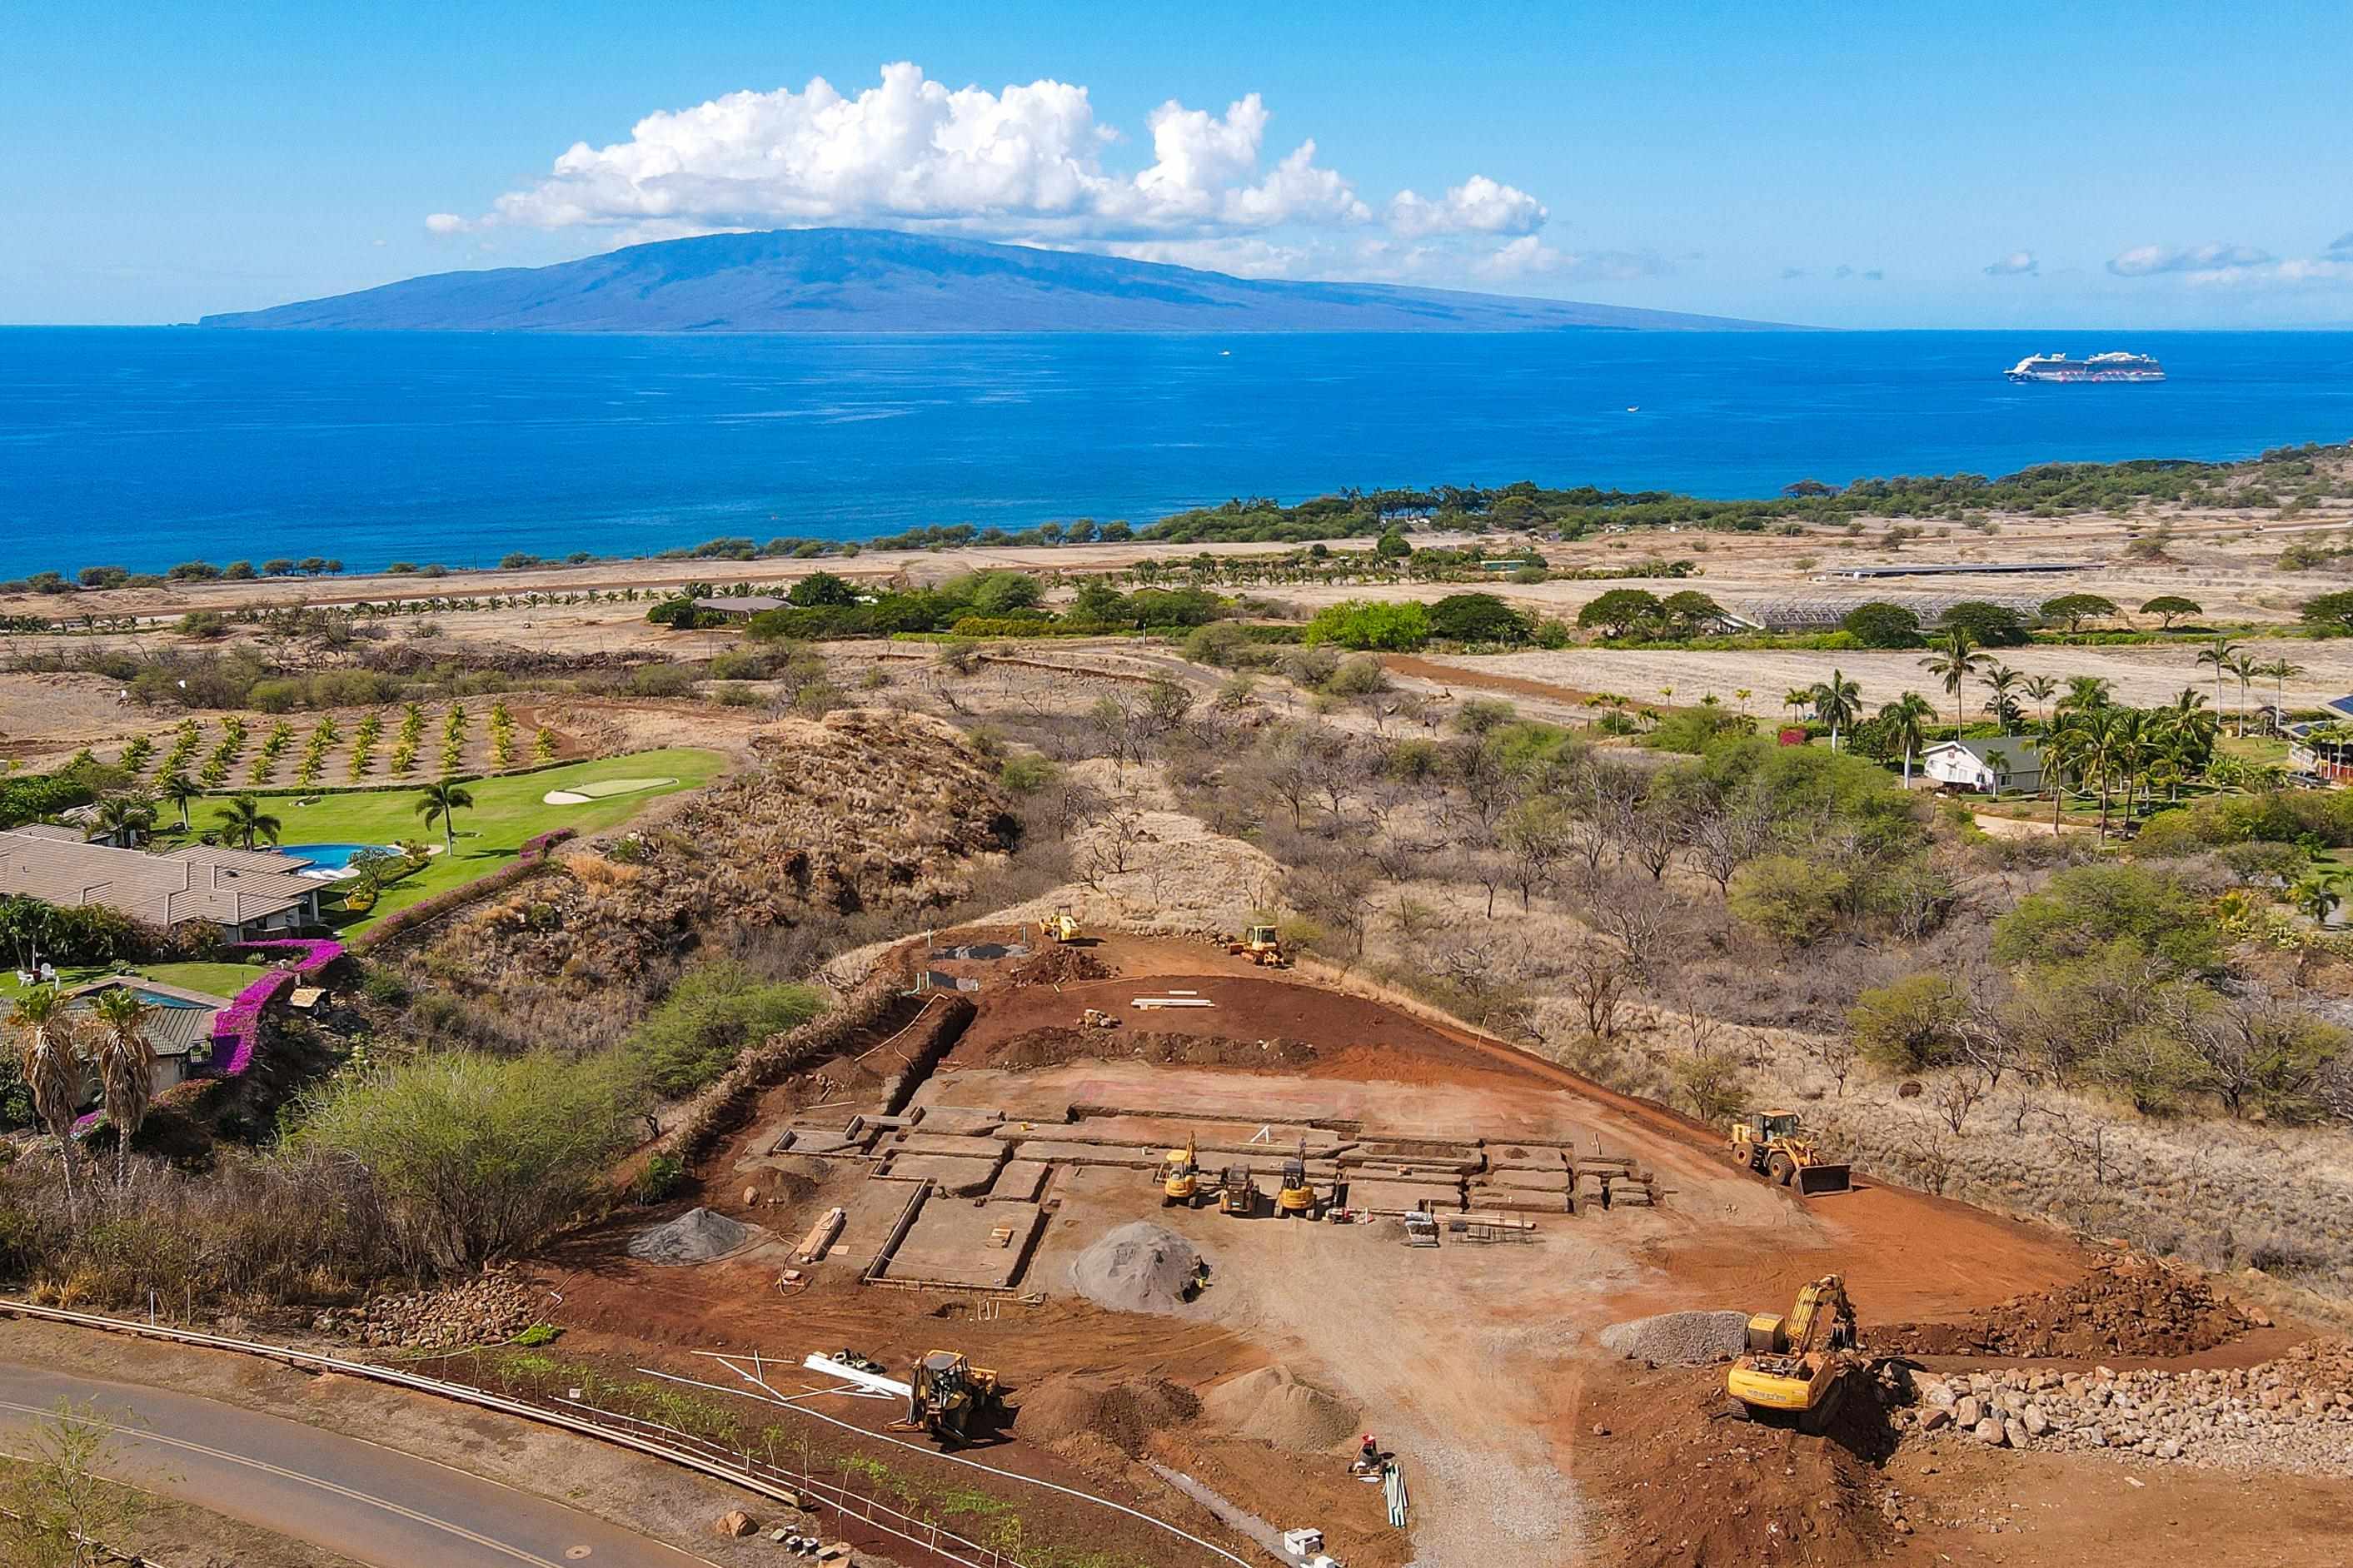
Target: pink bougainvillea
pixel 237 1028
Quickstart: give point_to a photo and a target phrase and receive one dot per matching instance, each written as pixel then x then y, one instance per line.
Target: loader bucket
pixel 1813 1179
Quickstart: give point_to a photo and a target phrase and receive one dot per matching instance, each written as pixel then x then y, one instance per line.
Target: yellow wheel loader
pixel 1180 1176
pixel 1774 1145
pixel 951 1398
pixel 1793 1367
pixel 1059 926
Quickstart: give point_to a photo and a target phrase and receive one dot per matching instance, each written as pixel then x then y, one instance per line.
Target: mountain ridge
pixel 838 280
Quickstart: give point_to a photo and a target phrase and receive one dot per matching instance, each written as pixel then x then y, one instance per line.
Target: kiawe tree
pixel 2170 607
pixel 1621 612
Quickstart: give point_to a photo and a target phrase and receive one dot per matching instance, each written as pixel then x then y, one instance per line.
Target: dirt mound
pixel 1273 1406
pixel 1679 1338
pixel 1139 1268
pixel 1125 1415
pixel 698 1236
pixel 1688 1489
pixel 1052 1046
pixel 1061 965
pixel 2123 1305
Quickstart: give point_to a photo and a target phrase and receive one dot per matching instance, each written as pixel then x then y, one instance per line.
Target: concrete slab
pixel 1530 1181
pixel 954 1178
pixel 956 1243
pixel 989 1149
pixel 1019 1181
pixel 1395 1197
pixel 959 1121
pixel 1060 1153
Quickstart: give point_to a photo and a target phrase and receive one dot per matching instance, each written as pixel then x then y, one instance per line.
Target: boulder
pixel 2013 1433
pixel 1935 1417
pixel 2034 1420
pixel 1991 1433
pixel 1969 1412
pixel 736 1523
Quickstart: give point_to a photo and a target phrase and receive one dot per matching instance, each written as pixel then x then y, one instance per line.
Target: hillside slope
pixel 860 281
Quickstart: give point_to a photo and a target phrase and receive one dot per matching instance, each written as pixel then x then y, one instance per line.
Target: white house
pixel 1998 764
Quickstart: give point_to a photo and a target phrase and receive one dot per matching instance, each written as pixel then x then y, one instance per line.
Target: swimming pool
pixel 325 857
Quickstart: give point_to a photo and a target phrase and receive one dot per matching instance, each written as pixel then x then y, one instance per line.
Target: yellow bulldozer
pixel 1774 1145
pixel 951 1398
pixel 1059 926
pixel 1180 1175
pixel 1794 1366
pixel 1260 946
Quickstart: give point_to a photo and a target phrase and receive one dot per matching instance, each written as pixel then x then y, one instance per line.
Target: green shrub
pixel 1365 624
pixel 1791 899
pixel 708 1016
pixel 1910 1025
pixel 2087 909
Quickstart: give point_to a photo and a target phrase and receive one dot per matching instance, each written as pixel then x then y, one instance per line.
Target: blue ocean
pixel 140 448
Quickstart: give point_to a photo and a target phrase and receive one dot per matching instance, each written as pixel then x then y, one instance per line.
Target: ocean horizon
pixel 142 447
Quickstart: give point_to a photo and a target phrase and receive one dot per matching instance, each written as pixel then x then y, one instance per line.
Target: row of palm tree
pixel 55 1050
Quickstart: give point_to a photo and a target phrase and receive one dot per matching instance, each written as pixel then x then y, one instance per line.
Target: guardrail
pixel 778 1483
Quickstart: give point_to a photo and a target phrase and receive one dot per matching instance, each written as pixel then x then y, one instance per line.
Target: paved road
pixel 377 1505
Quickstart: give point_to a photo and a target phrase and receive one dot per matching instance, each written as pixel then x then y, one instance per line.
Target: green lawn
pixel 222 980
pixel 506 812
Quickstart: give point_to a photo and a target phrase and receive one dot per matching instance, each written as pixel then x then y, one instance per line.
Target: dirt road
pixel 342 1494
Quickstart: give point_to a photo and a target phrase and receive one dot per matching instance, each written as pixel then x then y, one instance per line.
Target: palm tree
pixel 2086 694
pixel 2039 689
pixel 1795 698
pixel 126 1067
pixel 1954 660
pixel 244 820
pixel 2318 893
pixel 439 802
pixel 1742 694
pixel 179 789
pixel 1906 719
pixel 1837 702
pixel 2281 671
pixel 1997 762
pixel 2066 751
pixel 2002 680
pixel 2218 653
pixel 50 1063
pixel 126 819
pixel 2244 666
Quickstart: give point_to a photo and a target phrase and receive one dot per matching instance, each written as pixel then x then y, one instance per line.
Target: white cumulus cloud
pixel 1477 206
pixel 1025 161
pixel 1529 256
pixel 2150 260
pixel 2016 264
pixel 1028 162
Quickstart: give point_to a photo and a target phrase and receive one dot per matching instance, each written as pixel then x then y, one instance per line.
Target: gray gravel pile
pixel 1139 1268
pixel 2294 1414
pixel 1679 1338
pixel 698 1236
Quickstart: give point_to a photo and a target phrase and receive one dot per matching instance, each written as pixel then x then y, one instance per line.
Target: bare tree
pixel 1724 838
pixel 1596 979
pixel 1837 1053
pixel 1958 1096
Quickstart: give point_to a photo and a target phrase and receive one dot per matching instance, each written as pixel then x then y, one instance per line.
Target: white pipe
pixel 873 1382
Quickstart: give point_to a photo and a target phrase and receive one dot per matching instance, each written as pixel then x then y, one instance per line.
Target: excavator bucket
pixel 1813 1179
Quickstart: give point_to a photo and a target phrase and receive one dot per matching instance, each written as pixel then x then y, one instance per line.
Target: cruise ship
pixel 2099 367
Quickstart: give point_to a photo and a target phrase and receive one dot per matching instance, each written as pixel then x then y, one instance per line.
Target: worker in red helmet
pixel 1369 1455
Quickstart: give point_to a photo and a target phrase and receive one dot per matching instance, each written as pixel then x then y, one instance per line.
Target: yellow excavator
pixel 1059 926
pixel 1260 946
pixel 951 1398
pixel 1774 1145
pixel 1180 1175
pixel 1793 1365
pixel 1296 1196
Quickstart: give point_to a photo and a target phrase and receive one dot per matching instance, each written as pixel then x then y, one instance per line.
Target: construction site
pixel 1231 1242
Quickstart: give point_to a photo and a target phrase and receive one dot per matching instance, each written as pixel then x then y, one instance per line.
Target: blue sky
pixel 1985 165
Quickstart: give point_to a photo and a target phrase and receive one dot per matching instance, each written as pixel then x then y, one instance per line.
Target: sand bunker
pixel 698 1236
pixel 1679 1338
pixel 1139 1268
pixel 600 789
pixel 1273 1406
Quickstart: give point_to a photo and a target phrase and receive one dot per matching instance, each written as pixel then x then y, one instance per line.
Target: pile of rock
pixel 2294 1413
pixel 488 1310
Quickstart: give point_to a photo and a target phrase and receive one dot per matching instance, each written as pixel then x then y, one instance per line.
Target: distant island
pixel 875 280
